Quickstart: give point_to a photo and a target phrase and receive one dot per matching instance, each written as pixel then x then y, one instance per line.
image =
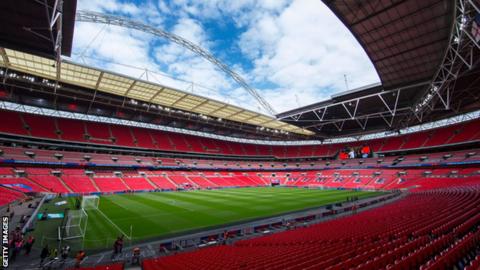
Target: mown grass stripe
pixel 163 213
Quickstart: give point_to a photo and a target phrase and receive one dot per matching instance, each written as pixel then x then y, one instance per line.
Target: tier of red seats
pixel 9 195
pixel 12 123
pixel 110 184
pixel 71 130
pixel 162 182
pixel 41 126
pixel 50 182
pixel 137 183
pixel 76 180
pixel 20 154
pixel 419 230
pixel 22 184
pixel 79 183
pixel 99 133
pixel 475 264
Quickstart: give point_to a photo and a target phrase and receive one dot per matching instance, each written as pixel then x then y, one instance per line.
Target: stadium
pixel 103 170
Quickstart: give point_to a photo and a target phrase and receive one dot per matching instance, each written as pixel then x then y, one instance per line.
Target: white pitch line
pixel 109 220
pixel 100 259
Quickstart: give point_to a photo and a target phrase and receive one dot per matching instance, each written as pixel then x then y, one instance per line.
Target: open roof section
pixel 425 56
pixel 25 26
pixel 405 39
pixel 131 88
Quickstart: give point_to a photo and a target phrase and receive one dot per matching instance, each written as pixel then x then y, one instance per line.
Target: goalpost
pixel 74 224
pixel 90 202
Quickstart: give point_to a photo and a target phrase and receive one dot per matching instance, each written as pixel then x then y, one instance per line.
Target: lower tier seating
pixel 77 180
pixel 426 230
pixel 110 184
pixel 9 195
pixel 79 183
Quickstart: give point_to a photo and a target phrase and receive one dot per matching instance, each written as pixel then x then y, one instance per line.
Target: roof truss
pixel 351 108
pixel 135 89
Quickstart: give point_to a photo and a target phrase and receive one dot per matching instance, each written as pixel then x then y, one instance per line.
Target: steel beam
pixel 95 17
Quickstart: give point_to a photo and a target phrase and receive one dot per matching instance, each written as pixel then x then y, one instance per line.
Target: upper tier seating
pixel 12 123
pixel 98 132
pixel 122 135
pixel 417 231
pixel 41 126
pixel 108 134
pixel 71 130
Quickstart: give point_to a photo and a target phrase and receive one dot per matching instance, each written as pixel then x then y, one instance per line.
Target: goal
pixel 90 202
pixel 74 225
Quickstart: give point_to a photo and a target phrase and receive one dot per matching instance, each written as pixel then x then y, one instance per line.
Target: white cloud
pixel 188 66
pixel 305 51
pixel 113 45
pixel 109 6
pixel 298 49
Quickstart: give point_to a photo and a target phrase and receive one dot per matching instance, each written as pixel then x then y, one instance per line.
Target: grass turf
pixel 162 214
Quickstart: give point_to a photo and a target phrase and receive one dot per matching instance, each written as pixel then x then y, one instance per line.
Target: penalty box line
pixel 113 223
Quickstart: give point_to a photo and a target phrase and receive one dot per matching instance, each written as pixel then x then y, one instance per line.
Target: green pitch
pixel 163 214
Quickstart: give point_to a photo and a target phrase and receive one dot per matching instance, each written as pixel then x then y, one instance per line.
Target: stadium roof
pixel 405 39
pixel 30 26
pixel 120 85
pixel 426 60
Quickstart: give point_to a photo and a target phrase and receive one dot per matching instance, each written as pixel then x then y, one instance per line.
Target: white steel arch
pixel 95 17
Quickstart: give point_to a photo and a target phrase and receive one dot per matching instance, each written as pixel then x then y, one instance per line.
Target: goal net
pixel 74 225
pixel 90 202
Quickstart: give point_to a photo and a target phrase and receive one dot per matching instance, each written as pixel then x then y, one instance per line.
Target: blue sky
pixel 293 52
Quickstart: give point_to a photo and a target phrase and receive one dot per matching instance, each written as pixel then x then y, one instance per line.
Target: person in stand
pixel 116 248
pixel 79 258
pixel 29 244
pixel 120 244
pixel 136 256
pixel 354 208
pixel 65 251
pixel 44 254
pixel 365 151
pixel 351 153
pixel 16 249
pixel 54 254
pixel 44 215
pixel 78 204
pixel 161 248
pixel 225 237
